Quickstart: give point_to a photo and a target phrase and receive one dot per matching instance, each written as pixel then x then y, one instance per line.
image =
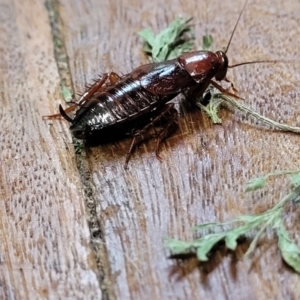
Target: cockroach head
pixel 223 61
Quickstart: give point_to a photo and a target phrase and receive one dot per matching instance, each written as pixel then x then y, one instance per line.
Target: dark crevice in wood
pixel 60 52
pixel 97 239
pixel 97 236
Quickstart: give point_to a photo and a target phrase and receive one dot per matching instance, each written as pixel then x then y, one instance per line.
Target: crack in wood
pixel 97 239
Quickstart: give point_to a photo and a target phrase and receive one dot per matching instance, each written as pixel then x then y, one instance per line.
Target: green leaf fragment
pixel 148 36
pixel 177 246
pixel 201 246
pixel 235 233
pixel 271 218
pixel 207 42
pixel 67 94
pixel 169 43
pixel 182 48
pixel 206 225
pixel 212 109
pixel 289 250
pixel 79 146
pixel 206 243
pixel 295 179
pixel 256 183
pixel 251 219
pixel 296 191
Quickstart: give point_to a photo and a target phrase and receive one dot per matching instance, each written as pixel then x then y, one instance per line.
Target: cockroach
pixel 115 102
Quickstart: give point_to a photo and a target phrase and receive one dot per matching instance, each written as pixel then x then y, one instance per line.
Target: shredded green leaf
pixel 255 184
pixel 207 42
pixel 244 225
pixel 295 179
pixel 213 106
pixel 170 42
pixel 79 146
pixel 289 250
pixel 67 94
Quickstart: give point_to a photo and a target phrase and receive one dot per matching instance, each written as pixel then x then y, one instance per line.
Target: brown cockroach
pixel 116 103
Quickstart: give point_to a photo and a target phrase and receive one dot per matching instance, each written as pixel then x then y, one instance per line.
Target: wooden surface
pixel 79 226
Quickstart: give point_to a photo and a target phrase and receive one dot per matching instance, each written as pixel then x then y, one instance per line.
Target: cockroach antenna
pixel 254 61
pixel 236 24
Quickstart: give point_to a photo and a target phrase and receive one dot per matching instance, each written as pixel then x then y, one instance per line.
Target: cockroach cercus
pixel 114 102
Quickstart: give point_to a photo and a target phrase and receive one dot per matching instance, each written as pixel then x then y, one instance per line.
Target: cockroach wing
pixel 163 79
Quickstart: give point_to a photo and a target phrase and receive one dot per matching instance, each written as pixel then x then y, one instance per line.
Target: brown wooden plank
pixel 204 167
pixel 45 240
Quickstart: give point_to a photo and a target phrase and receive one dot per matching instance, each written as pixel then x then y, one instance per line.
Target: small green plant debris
pixel 170 42
pixel 217 98
pixel 67 94
pixel 242 225
pixel 214 102
pixel 79 146
pixel 207 42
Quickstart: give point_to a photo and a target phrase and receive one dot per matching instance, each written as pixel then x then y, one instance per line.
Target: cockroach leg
pixel 231 85
pixel 96 87
pixel 134 143
pixel 99 85
pixel 197 92
pixel 168 113
pixel 172 120
pixel 221 89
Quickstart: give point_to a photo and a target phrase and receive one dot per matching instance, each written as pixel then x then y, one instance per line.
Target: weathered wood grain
pixel 44 237
pixel 45 249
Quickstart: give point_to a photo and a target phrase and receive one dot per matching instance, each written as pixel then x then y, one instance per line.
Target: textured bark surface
pixel 80 226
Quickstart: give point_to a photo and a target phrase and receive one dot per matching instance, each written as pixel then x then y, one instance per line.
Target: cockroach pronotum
pixel 115 103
